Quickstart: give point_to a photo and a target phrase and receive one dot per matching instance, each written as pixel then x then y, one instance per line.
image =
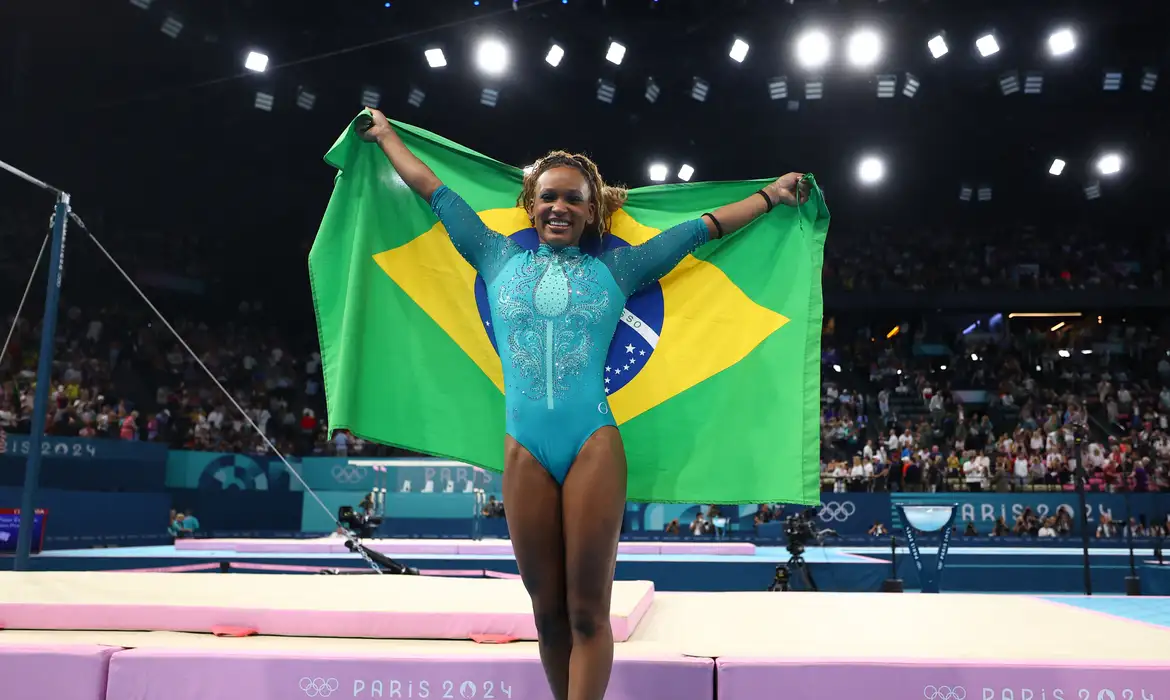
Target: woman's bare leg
pixel 593 501
pixel 532 504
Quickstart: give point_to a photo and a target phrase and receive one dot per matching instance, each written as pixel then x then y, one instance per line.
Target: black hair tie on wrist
pixel 766 199
pixel 718 226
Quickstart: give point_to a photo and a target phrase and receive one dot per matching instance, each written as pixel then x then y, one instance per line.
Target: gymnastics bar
pixel 32 469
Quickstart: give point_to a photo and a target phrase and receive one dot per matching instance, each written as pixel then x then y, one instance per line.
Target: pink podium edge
pixel 292 623
pixel 58 671
pixel 744 678
pixel 209 674
pixel 405 547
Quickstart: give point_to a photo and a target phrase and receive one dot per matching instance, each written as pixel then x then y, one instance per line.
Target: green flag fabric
pixel 713 376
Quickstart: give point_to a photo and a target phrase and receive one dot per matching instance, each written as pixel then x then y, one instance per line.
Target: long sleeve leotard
pixel 554 313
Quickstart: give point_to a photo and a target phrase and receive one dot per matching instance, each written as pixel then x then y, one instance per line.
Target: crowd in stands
pixel 986 257
pixel 1000 410
pixel 118 374
pixel 1039 391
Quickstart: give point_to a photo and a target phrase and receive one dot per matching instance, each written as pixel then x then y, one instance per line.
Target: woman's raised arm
pixel 415 173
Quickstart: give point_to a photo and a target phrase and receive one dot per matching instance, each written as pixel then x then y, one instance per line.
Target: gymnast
pixel 554 313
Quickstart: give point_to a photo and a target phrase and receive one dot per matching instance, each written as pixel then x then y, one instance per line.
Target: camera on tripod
pixel 800 530
pixel 361 524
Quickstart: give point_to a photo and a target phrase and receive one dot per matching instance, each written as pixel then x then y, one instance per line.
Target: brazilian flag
pixel 713 375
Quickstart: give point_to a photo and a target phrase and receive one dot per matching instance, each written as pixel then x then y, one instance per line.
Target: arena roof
pixel 101 101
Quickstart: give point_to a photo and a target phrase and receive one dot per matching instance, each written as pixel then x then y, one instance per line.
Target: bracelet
pixel 767 199
pixel 718 226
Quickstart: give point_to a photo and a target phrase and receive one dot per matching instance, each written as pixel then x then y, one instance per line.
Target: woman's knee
pixel 589 611
pixel 552 621
pixel 588 622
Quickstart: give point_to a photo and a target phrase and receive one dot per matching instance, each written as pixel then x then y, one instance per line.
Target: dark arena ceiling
pixel 96 98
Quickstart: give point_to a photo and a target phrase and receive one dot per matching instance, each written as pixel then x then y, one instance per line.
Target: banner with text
pixel 216 471
pixel 855 513
pixel 83 464
pixel 10 529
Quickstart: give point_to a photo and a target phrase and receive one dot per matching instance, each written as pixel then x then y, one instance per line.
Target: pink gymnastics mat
pixel 53 671
pixel 336 545
pixel 391 607
pixel 691 646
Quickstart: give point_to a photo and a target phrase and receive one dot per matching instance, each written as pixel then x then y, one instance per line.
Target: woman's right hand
pixel 380 126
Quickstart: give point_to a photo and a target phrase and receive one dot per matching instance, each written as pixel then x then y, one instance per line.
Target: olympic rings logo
pixel 344 474
pixel 840 512
pixel 944 692
pixel 319 687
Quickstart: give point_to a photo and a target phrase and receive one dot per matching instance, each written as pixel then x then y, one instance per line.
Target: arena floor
pixel 682 646
pixel 678 566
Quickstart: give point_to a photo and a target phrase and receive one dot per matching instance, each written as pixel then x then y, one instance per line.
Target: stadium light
pixel 865 48
pixel 555 54
pixel 813 49
pixel 305 98
pixel 492 57
pixel 685 173
pixel 1057 167
pixel 435 58
pixel 172 27
pixel 256 62
pixel 606 91
pixel 871 170
pixel 938 46
pixel 778 88
pixel 699 89
pixel 1109 164
pixel 739 50
pixel 616 53
pixel 1062 42
pixel 371 97
pixel 652 90
pixel 987 45
pixel 910 85
pixel 1149 79
pixel 658 172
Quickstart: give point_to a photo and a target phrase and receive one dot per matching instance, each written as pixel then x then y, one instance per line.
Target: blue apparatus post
pixel 32 470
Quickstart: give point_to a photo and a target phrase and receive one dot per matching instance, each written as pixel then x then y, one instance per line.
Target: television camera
pixel 800 530
pixel 359 525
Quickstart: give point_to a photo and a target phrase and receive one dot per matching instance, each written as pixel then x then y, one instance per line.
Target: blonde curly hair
pixel 606 199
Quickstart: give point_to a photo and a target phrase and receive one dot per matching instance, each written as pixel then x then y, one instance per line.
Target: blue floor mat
pixel 1155 611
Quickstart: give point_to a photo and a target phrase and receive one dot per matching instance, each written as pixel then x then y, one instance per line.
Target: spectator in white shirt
pixel 1049 528
pixel 973 473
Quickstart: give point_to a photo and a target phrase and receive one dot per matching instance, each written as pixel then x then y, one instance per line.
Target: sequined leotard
pixel 554 313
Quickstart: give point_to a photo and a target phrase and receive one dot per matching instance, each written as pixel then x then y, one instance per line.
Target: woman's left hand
pixel 791 189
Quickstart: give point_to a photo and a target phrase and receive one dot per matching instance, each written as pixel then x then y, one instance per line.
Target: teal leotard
pixel 554 313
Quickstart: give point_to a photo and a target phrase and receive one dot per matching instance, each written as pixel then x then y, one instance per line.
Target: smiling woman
pixel 555 311
pixel 566 198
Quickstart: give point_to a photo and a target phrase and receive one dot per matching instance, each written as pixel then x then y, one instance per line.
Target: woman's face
pixel 562 206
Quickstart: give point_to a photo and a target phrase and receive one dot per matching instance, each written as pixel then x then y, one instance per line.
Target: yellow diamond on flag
pixel 708 323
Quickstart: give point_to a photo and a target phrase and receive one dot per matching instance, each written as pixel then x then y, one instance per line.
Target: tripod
pixel 782 581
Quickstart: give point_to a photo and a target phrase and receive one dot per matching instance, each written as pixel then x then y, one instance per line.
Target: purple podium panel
pixel 751 679
pixel 54 672
pixel 472 673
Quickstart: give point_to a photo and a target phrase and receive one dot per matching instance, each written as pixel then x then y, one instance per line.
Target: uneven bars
pixel 28 178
